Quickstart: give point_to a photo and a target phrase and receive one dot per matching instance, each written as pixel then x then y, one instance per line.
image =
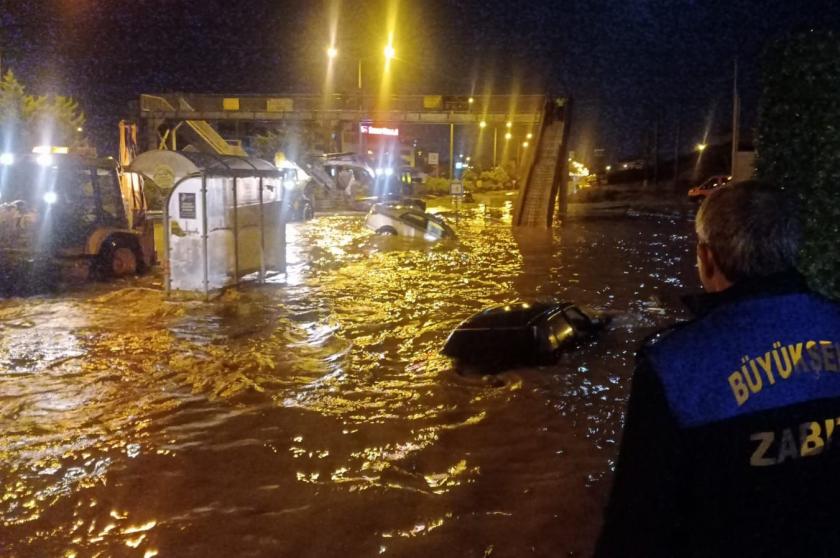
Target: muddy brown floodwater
pixel 315 417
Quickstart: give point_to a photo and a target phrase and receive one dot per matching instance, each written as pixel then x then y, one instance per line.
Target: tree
pixel 29 120
pixel 798 144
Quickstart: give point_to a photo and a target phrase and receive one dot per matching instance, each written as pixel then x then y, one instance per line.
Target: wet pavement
pixel 315 417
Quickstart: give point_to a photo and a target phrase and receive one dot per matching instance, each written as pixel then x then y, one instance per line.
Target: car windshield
pixel 577 319
pixel 415 219
pixel 29 182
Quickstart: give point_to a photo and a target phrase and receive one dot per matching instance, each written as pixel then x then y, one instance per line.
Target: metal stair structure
pixel 199 132
pixel 545 179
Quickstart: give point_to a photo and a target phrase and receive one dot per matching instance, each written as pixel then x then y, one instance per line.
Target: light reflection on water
pixel 316 417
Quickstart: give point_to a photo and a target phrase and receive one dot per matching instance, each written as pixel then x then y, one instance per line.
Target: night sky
pixel 625 63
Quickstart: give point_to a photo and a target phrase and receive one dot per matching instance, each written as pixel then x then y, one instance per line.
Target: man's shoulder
pixel 743 318
pixel 662 338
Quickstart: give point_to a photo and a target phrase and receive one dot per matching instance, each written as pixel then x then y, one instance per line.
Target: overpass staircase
pixel 199 133
pixel 546 179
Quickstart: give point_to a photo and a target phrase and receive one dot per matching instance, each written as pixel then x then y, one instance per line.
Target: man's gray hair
pixel 752 229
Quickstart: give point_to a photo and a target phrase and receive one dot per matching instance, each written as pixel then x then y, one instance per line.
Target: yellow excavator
pixel 74 212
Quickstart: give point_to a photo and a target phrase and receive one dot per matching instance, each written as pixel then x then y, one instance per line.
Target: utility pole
pixel 656 151
pixel 495 143
pixel 677 148
pixel 451 151
pixel 736 117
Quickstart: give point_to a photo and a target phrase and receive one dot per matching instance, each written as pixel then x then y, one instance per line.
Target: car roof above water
pixel 382 207
pixel 514 315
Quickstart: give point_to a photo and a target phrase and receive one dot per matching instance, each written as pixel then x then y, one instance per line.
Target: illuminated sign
pixel 47 149
pixel 377 131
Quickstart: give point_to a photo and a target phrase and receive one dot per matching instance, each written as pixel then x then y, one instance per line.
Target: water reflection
pixel 136 424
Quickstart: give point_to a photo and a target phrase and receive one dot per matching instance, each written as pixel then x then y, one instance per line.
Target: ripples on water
pixel 315 417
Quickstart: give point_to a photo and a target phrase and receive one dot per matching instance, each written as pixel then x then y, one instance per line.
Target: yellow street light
pixel 701 146
pixel 509 124
pixel 529 135
pixel 332 52
pixel 508 136
pixel 482 124
pixel 471 100
pixel 524 144
pixel 390 53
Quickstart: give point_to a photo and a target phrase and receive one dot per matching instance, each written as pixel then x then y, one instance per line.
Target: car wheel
pixel 387 231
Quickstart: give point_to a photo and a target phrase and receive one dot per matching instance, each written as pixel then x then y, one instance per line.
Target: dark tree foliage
pixel 799 143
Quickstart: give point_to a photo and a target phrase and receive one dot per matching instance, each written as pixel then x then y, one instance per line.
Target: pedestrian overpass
pixel 164 116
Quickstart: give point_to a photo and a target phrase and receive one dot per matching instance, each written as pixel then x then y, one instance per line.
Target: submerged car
pixel 699 193
pixel 531 332
pixel 404 220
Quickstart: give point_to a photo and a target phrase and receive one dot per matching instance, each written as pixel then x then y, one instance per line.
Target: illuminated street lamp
pixel 508 136
pixel 524 144
pixel 470 100
pixel 509 124
pixel 332 52
pixel 482 124
pixel 701 147
pixel 390 53
pixel 529 135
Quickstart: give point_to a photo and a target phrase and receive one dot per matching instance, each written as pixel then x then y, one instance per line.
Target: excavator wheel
pixel 118 258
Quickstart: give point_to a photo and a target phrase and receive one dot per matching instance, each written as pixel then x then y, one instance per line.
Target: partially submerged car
pixel 699 193
pixel 404 220
pixel 532 332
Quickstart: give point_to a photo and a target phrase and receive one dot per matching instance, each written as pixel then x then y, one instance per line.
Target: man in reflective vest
pixel 729 441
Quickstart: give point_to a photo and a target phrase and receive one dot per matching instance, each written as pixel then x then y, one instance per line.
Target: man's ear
pixel 713 279
pixel 707 266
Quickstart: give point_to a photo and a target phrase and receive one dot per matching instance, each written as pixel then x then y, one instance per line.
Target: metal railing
pixel 215 103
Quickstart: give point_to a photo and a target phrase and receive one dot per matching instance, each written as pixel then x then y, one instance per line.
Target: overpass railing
pixel 212 103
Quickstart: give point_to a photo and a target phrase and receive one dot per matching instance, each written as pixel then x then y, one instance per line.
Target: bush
pixel 434 185
pixel 495 179
pixel 470 175
pixel 798 144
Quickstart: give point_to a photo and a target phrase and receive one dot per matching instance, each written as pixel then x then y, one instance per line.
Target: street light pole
pixel 495 143
pixel 736 116
pixel 451 151
pixel 361 142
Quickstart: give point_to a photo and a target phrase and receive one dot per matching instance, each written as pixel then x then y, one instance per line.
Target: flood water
pixel 315 417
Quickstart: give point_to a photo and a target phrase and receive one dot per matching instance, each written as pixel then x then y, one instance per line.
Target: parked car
pixel 700 192
pixel 530 332
pixel 405 220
